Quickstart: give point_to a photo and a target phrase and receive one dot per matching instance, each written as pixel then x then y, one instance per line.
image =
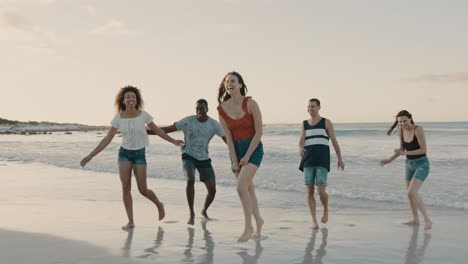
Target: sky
pixel 65 60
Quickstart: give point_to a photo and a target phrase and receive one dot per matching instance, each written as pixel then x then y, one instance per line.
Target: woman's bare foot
pixel 325 217
pixel 128 226
pixel 411 222
pixel 161 211
pixel 427 225
pixel 258 232
pixel 246 235
pixel 191 219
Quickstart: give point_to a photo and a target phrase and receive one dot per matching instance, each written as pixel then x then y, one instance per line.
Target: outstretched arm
pixel 396 153
pixel 102 145
pixel 336 146
pixel 392 158
pixel 158 131
pixel 167 129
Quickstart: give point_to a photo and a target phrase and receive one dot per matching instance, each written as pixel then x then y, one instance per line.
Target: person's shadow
pixel 209 245
pixel 127 244
pixel 249 259
pixel 157 243
pixel 320 252
pixel 414 255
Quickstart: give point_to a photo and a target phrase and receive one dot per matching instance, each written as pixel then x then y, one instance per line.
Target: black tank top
pixel 413 145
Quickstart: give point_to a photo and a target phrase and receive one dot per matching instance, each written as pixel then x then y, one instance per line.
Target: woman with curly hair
pixel 131 120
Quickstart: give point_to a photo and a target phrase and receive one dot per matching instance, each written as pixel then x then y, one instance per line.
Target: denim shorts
pixel 417 168
pixel 241 147
pixel 205 170
pixel 315 175
pixel 137 157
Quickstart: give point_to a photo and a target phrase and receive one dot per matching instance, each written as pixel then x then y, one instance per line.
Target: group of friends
pixel 241 128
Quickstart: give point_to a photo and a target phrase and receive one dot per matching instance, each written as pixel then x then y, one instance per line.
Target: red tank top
pixel 242 128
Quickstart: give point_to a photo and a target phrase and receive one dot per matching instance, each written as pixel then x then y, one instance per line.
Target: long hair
pixel 401 113
pixel 119 98
pixel 223 96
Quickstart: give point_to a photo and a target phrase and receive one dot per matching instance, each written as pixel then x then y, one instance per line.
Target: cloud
pixel 14 27
pixel 442 78
pixel 113 27
pixel 15 21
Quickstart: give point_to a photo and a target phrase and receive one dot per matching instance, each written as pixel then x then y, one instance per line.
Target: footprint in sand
pixel 284 227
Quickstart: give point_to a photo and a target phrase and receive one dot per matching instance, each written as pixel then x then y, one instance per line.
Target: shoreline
pixel 33 128
pixel 83 205
pixel 45 129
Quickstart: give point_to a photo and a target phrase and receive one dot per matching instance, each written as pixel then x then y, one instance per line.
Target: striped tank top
pixel 316 146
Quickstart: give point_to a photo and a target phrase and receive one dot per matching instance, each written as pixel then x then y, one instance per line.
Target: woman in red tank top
pixel 241 120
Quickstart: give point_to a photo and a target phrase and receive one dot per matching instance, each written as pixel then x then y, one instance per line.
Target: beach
pixel 365 100
pixel 62 215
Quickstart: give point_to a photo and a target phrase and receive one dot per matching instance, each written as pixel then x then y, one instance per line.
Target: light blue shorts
pixel 417 168
pixel 315 176
pixel 137 157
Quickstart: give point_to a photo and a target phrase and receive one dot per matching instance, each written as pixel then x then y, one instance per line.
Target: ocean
pixel 363 183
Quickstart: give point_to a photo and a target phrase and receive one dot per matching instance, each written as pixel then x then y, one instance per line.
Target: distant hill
pixel 35 123
pixel 14 127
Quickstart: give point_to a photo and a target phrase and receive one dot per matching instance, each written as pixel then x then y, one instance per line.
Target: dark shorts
pixel 137 157
pixel 417 168
pixel 205 170
pixel 241 147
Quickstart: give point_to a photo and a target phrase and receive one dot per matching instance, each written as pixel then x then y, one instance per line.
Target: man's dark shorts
pixel 205 170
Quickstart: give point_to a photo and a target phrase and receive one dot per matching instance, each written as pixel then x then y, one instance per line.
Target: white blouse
pixel 133 130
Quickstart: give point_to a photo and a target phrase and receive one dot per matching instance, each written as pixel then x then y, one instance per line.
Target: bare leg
pixel 125 172
pixel 414 208
pixel 243 182
pixel 140 175
pixel 324 199
pixel 414 187
pixel 312 204
pixel 256 212
pixel 190 192
pixel 211 188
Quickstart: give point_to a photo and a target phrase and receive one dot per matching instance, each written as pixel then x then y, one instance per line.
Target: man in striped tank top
pixel 315 152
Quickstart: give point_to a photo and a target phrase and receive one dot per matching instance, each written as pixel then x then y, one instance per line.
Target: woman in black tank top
pixel 413 146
